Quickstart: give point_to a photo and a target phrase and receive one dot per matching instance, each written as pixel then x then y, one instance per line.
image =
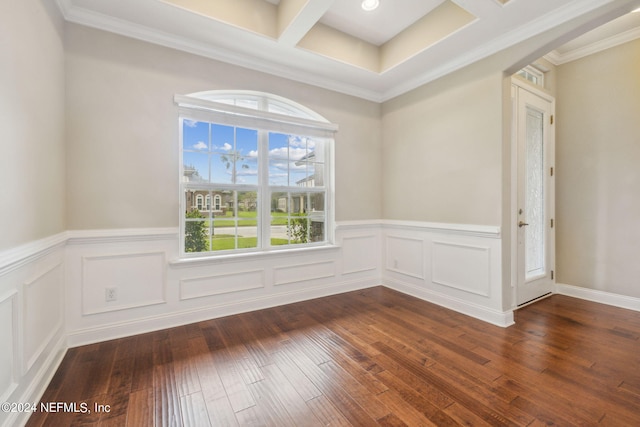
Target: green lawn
pixel 247 219
pixel 223 242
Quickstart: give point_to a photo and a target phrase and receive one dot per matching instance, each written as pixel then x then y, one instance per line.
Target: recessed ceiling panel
pixel 437 25
pixel 253 15
pixel 331 43
pixel 380 25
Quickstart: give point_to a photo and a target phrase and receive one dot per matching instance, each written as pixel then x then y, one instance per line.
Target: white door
pixel 534 220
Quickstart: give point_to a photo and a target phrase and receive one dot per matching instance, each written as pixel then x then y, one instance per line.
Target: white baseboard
pixel 149 324
pixel 498 318
pixel 617 300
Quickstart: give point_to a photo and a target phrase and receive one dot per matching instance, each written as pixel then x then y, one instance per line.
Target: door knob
pixel 522 224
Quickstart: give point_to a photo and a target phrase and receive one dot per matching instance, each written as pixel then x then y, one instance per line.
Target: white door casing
pixel 533 220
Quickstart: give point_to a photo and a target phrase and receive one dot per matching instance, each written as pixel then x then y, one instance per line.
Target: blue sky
pixel 209 148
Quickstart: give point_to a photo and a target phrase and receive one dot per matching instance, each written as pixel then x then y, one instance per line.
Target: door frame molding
pixel 518 84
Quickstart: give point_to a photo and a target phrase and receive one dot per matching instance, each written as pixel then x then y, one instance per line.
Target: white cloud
pixel 293 153
pixel 200 145
pixel 225 147
pixel 286 166
pixel 190 123
pixel 301 141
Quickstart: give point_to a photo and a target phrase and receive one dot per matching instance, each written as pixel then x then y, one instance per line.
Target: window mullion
pixel 264 213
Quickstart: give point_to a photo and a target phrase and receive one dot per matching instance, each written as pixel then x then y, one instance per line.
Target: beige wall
pixel 31 122
pixel 598 171
pixel 443 151
pixel 123 130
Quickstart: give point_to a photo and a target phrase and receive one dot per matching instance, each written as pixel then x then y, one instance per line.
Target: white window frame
pixel 533 75
pixel 229 108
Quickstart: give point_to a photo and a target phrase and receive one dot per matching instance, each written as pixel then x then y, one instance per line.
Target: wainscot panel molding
pixel 454 265
pixel 447 259
pixel 196 289
pixel 218 284
pixel 622 301
pixel 31 321
pixel 360 246
pixel 43 312
pixel 303 272
pixel 9 334
pixel 405 255
pixel 138 279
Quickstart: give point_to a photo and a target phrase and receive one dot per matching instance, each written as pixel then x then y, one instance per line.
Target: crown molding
pixel 508 39
pixel 372 87
pixel 557 58
pixel 110 24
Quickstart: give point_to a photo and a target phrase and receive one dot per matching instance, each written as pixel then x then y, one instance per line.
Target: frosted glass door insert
pixel 534 195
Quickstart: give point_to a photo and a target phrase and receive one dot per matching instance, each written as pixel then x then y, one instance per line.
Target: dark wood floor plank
pixel 140 411
pixel 239 395
pixel 369 357
pixel 416 399
pixel 213 391
pixel 426 389
pixel 451 388
pixel 290 368
pixel 143 371
pixel 278 384
pixel 268 402
pixel 166 398
pixel 326 412
pixel 331 387
pixel 403 410
pixel 184 369
pixel 365 398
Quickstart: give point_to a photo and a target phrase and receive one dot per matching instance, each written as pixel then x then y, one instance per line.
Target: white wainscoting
pixel 456 266
pixel 9 336
pixel 31 321
pixel 218 284
pixel 305 272
pixel 137 278
pixel 52 290
pixel 464 267
pixel 156 289
pixel 42 311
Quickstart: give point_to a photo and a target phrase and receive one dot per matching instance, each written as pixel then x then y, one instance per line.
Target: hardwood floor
pixel 372 357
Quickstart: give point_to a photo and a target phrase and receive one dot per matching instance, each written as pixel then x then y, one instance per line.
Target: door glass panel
pixel 534 193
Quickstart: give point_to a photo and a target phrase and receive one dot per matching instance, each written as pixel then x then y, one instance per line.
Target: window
pixel 533 75
pixel 266 164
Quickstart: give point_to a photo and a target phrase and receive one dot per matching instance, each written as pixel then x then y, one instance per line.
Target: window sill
pixel 249 256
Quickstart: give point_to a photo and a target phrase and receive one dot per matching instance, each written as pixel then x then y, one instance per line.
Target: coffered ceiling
pixel 335 44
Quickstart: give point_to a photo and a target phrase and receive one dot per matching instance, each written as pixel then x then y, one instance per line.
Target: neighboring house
pixel 215 202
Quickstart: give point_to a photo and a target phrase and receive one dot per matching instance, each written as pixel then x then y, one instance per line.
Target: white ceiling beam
pixel 480 8
pixel 297 17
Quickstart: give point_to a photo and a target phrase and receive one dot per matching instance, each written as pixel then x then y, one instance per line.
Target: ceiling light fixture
pixel 370 5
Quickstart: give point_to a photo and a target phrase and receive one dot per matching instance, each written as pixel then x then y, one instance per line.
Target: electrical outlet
pixel 395 263
pixel 110 294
